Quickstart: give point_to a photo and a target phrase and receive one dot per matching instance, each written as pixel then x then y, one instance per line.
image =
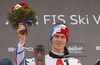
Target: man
pixel 57 56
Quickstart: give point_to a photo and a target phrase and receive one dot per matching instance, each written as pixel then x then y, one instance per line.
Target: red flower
pixel 23 4
pixel 20 4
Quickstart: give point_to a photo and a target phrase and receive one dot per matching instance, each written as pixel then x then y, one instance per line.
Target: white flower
pixel 17 7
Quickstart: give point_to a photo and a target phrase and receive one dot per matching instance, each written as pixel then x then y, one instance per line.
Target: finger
pixel 20 23
pixel 21 27
pixel 26 25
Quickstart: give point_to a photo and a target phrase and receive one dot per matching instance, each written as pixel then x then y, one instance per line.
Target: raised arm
pixel 20 54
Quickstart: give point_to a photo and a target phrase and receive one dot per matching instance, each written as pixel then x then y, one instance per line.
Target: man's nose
pixel 59 39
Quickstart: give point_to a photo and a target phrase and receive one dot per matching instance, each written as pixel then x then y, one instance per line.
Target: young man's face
pixel 58 41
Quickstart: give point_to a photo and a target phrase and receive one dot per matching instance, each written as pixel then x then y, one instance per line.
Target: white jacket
pixel 20 59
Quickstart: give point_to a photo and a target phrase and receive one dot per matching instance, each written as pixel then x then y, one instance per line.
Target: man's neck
pixel 58 51
pixel 59 54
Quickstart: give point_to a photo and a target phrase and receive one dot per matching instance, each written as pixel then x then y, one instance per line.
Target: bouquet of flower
pixel 22 13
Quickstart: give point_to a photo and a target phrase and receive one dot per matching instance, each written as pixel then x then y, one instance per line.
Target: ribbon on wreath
pixel 26 22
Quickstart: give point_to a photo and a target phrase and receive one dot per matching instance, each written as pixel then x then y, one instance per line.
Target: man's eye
pixel 56 36
pixel 63 37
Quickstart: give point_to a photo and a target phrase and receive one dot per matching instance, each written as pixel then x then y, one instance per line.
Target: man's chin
pixel 59 48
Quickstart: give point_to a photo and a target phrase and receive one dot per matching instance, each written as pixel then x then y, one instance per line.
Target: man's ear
pixel 51 40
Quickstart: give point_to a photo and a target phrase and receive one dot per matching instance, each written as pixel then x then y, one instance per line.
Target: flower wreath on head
pixel 22 13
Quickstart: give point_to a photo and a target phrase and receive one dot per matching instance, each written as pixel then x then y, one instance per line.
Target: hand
pixel 22 37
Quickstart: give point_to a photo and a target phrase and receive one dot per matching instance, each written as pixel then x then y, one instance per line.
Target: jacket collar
pixel 66 54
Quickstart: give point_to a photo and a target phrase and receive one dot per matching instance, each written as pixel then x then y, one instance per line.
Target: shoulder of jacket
pixel 47 55
pixel 74 61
